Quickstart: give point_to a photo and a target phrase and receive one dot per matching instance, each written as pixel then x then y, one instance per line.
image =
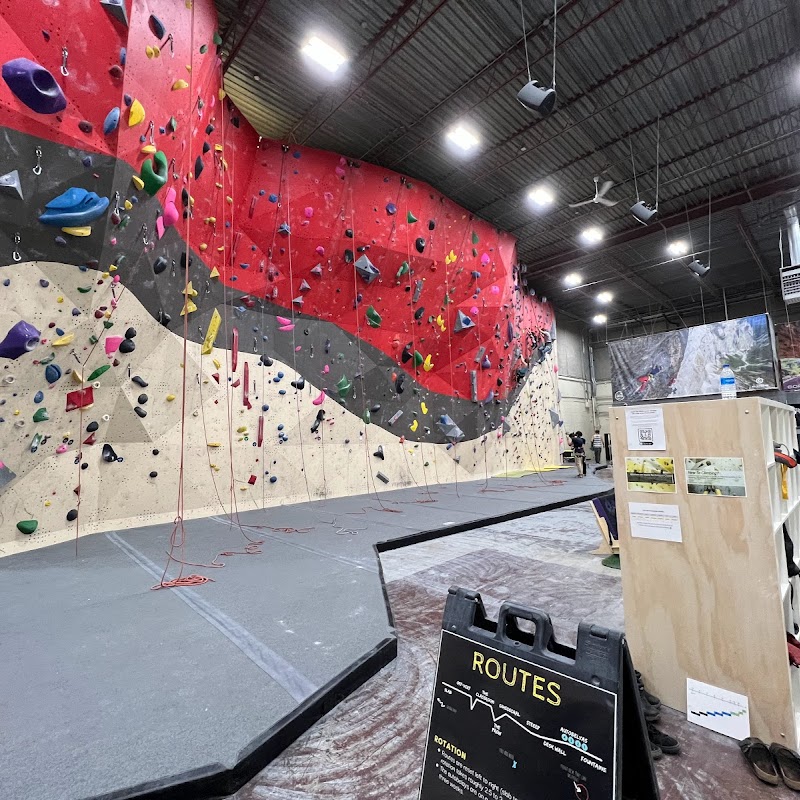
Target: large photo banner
pixel 687 362
pixel 788 336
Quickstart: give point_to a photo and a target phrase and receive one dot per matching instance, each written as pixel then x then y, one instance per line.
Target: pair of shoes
pixel 663 741
pixel 773 763
pixel 651 705
pixel 651 698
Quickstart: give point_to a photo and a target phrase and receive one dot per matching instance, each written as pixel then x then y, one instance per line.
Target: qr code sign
pixel 645 436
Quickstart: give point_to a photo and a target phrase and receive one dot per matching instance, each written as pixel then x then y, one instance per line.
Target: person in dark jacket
pixel 579 449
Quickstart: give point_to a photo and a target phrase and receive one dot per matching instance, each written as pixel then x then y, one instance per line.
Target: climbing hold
pixel 418 358
pixel 343 387
pixel 273 479
pixel 373 318
pixel 142 399
pixel 35 442
pixel 423 408
pixel 140 411
pixel 475 238
pixel 300 383
pixel 316 270
pixel 27 526
pixel 198 167
pixel 38 397
pixel 130 333
pixel 154 173
pixel 396 416
pixel 366 269
pixel 108 454
pixel 85 126
pixel 160 264
pixel 304 286
pixel 139 381
pixel 21 339
pixel 41 415
pixel 381 477
pixel 117 10
pixel 403 270
pixel 379 452
pixel 418 284
pixel 81 398
pixel 127 346
pixel 450 430
pixel 105 367
pixel 348 256
pixel 137 181
pixel 297 301
pixel 391 209
pixel 52 373
pixel 82 230
pixel 157 27
pixel 420 245
pixel 179 84
pixel 463 322
pixel 135 114
pixel 34 86
pixel 115 71
pixel 419 312
pixel 266 360
pixel 319 399
pixel 427 364
pixel 398 384
pixel 73 208
pixel 410 218
pixel 10 184
pixel 92 427
pixel 211 333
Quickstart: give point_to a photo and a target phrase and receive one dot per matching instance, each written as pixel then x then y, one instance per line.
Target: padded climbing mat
pixel 110 688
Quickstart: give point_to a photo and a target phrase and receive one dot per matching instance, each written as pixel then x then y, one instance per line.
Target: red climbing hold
pixel 234 349
pixel 81 398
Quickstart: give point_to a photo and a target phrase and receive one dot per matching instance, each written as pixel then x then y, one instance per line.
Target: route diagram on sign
pixel 473 701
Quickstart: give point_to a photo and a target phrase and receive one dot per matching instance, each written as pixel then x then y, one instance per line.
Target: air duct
pixel 790 275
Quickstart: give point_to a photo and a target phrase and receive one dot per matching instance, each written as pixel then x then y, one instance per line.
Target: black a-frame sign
pixel 517 716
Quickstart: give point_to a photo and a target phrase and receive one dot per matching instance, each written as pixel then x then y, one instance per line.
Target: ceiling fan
pixel 599 194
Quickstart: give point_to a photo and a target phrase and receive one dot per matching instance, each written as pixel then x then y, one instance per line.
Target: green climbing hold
pixel 107 324
pixel 343 387
pixel 373 318
pixel 84 289
pixel 123 223
pixel 41 415
pixel 203 49
pixel 172 124
pixel 404 269
pixel 93 339
pixel 410 217
pixel 217 38
pixel 45 361
pixel 154 173
pixel 99 371
pixel 28 526
pixel 475 238
pixel 418 358
pixel 367 417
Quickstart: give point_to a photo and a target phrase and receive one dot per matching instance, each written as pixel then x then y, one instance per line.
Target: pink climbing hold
pixel 318 401
pixel 495 290
pixel 298 348
pixel 309 212
pixel 112 344
pixel 473 310
pixel 62 448
pixel 283 321
pixel 326 369
pixel 286 328
pixel 115 279
pixel 246 386
pixel 170 215
pixel 234 349
pixel 320 250
pixel 485 258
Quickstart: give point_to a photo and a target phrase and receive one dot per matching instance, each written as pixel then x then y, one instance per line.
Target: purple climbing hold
pixel 111 121
pixel 76 312
pixel 34 86
pixel 7 282
pixel 21 339
pixel 43 283
pixel 87 162
pixel 61 241
pixel 391 209
pixel 127 99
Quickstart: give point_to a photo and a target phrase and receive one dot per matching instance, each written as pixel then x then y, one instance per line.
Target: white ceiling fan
pixel 599 194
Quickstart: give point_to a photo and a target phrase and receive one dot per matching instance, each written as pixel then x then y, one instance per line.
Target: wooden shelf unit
pixel 716 607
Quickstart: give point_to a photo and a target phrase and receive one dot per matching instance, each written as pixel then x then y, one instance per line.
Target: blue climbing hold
pixel 74 208
pixel 261 192
pixel 282 391
pixel 38 397
pixel 43 283
pixel 61 241
pixel 273 479
pixel 280 375
pixel 265 407
pixel 123 55
pixel 127 99
pixel 7 282
pixel 87 161
pixel 280 427
pixel 284 228
pixel 59 331
pixel 391 209
pixel 34 86
pixel 273 198
pixel 296 154
pixel 111 121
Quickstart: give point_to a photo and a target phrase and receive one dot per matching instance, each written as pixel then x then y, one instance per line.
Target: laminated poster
pixel 719 477
pixel 645 428
pixel 655 521
pixel 717 709
pixel 651 474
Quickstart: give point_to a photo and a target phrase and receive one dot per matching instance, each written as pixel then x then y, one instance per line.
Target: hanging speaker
pixel 642 211
pixel 698 268
pixel 537 98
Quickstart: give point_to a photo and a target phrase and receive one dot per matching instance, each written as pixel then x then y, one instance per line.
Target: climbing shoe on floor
pixel 759 758
pixel 656 752
pixel 788 764
pixel 663 741
pixel 651 698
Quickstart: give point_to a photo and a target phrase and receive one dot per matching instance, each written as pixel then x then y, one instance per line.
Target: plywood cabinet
pixel 716 607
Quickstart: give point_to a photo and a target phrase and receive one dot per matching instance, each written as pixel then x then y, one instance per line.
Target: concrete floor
pixel 370 746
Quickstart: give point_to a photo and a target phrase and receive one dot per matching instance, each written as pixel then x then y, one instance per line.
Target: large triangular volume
pixel 10 184
pixel 117 10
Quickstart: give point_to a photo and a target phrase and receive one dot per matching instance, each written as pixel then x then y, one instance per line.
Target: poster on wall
pixel 651 474
pixel 687 362
pixel 655 521
pixel 787 335
pixel 645 428
pixel 720 477
pixel 717 709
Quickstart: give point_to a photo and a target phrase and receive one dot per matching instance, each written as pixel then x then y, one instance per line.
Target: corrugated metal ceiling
pixel 723 76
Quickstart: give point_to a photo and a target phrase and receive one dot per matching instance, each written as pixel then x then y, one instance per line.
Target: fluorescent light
pixel 541 196
pixel 605 297
pixel 678 248
pixel 573 279
pixel 599 319
pixel 463 137
pixel 323 53
pixel 592 235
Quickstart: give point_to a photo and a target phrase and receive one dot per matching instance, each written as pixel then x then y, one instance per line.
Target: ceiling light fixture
pixel 592 235
pixel 605 297
pixel 533 95
pixel 541 196
pixel 641 210
pixel 678 248
pixel 323 53
pixel 573 279
pixel 599 319
pixel 463 137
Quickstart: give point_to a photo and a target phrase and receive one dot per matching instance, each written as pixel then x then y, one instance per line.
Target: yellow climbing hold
pixel 229 199
pixel 148 149
pixel 67 338
pixel 135 115
pixel 440 323
pixel 128 204
pixel 211 333
pixel 137 182
pixel 81 230
pixel 214 273
pixel 16 413
pixel 46 503
pixel 221 249
pixel 414 425
pixel 203 247
pixel 188 307
pixel 106 275
pixel 60 299
pixel 424 408
pixel 216 363
pixel 450 258
pixel 77 375
pixel 218 185
pixel 221 94
pixel 148 51
pixel 170 397
pixel 215 444
pixel 427 364
pixel 179 84
pixel 210 220
pixel 217 148
pixel 242 429
pixel 112 267
pixel 190 291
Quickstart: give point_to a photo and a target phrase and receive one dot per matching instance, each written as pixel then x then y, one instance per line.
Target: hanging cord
pixel 633 166
pixel 555 20
pixel 658 156
pixel 525 40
